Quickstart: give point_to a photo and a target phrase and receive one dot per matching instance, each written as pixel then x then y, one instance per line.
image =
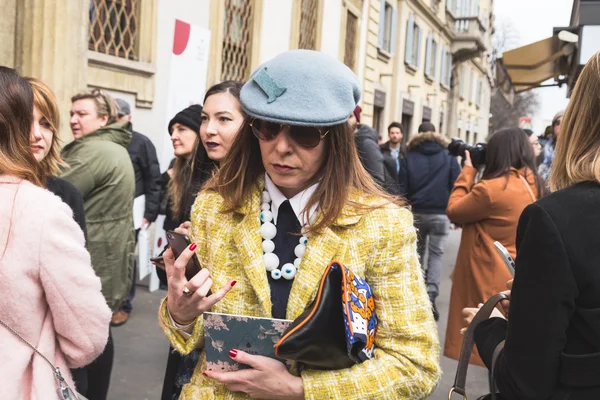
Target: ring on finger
pixel 187 291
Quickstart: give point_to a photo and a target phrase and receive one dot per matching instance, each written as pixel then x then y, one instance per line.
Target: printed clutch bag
pixel 338 329
pixel 223 332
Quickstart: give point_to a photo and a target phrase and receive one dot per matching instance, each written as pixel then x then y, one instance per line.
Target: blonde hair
pixel 105 104
pixel 45 101
pixel 577 156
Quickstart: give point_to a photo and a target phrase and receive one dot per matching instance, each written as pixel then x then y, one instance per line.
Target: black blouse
pixel 70 196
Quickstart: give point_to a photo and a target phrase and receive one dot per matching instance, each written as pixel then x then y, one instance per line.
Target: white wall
pixel 153 122
pixel 276 29
pixel 332 27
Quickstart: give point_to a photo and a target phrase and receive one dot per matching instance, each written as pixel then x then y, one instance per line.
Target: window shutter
pixel 463 73
pixel 418 62
pixel 410 26
pixel 428 57
pixel 449 70
pixel 393 33
pixel 442 75
pixel 437 67
pixel 381 37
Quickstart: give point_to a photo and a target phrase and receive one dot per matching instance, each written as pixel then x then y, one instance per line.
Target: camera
pixel 458 147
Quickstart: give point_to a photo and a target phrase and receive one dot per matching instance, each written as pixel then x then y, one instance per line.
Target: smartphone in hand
pixel 505 255
pixel 178 244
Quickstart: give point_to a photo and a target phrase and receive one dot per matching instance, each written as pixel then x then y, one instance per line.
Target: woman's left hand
pixel 267 379
pixel 470 312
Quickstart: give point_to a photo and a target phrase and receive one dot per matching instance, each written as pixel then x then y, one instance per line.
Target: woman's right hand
pixel 187 300
pixel 467 161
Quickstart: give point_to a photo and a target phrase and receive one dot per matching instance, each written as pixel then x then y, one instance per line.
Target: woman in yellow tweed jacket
pixel 279 156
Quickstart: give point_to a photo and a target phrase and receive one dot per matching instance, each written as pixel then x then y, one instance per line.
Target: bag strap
pixel 484 313
pixel 528 188
pixel 64 387
pixel 497 352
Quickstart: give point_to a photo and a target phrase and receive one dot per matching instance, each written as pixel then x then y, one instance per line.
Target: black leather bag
pixel 467 348
pixel 322 336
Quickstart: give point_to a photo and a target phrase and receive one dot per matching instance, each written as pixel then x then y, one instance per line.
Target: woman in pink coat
pixel 50 294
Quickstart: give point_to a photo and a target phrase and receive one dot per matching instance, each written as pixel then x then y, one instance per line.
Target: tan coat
pixel 488 211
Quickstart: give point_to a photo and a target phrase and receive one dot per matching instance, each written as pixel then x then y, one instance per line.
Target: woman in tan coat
pixel 488 211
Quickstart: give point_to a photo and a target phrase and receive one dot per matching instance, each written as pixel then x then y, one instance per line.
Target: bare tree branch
pixel 525 104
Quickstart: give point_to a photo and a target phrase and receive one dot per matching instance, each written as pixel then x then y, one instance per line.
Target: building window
pixel 478 95
pixel 237 40
pixel 431 58
pixel 351 40
pixel 413 43
pixel 308 24
pixel 114 27
pixel 377 118
pixel 387 27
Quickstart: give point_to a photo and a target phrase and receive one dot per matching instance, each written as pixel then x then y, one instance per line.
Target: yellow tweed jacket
pixel 379 245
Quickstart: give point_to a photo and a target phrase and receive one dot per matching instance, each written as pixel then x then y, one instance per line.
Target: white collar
pixel 298 202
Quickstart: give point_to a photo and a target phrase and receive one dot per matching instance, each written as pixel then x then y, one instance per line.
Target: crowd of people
pixel 273 179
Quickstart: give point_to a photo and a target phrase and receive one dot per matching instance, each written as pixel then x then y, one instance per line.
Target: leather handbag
pixel 467 348
pixel 338 329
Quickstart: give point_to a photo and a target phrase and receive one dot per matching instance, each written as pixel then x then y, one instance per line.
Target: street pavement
pixel 141 348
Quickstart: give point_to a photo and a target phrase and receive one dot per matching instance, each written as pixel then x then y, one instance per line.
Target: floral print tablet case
pixel 223 332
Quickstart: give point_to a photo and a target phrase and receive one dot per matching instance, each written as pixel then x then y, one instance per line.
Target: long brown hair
pixel 16 119
pixel 510 148
pixel 577 156
pixel 341 174
pixel 190 175
pixel 45 101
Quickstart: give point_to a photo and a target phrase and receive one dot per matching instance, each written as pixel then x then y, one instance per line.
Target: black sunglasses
pixel 306 136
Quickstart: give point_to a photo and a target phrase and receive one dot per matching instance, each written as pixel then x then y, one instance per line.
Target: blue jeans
pixel 432 232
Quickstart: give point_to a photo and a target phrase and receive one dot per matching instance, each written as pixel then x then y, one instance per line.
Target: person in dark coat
pixel 552 343
pixel 381 170
pixel 427 176
pixel 147 173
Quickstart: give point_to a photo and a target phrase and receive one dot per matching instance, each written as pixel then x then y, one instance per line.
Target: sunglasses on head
pixel 306 136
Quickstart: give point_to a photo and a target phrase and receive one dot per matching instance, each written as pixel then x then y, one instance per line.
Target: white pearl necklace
pixel 268 231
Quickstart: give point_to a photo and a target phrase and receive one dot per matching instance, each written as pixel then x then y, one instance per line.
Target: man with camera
pixel 427 175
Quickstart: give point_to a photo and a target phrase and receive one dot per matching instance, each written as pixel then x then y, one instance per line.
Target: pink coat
pixel 49 292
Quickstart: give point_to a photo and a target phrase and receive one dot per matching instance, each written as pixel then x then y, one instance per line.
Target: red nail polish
pixel 205 374
pixel 193 247
pixel 233 353
pixel 233 283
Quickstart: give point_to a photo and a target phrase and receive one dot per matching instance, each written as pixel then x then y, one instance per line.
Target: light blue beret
pixel 301 87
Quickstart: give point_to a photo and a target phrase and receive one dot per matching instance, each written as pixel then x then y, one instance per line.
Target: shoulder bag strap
pixel 528 188
pixel 64 389
pixel 497 352
pixel 484 313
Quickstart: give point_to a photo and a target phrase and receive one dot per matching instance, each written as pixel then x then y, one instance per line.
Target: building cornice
pixel 440 25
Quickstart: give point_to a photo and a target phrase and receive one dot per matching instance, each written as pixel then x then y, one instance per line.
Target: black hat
pixel 190 117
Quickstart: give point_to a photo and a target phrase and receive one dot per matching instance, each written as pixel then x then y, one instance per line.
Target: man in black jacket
pixel 427 176
pixel 147 175
pixel 366 139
